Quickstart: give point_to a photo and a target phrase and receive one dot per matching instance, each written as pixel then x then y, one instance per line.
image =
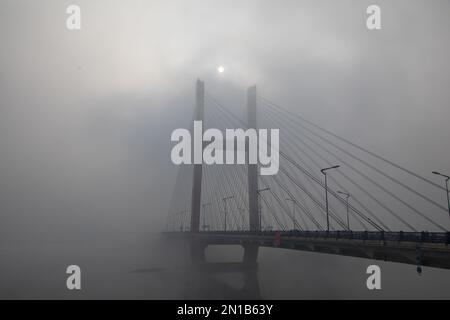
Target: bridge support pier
pixel 250 254
pixel 198 251
pixel 249 260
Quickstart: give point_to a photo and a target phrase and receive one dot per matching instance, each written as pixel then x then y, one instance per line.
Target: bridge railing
pixel 423 237
pixel 426 237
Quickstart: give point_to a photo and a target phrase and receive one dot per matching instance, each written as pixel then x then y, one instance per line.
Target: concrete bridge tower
pixel 197 249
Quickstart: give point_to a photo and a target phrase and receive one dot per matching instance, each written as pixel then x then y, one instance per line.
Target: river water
pixel 153 268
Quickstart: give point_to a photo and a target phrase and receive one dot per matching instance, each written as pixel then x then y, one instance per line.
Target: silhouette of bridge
pixel 330 196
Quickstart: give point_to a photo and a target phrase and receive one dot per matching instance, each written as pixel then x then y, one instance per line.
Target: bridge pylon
pixel 197 249
pixel 251 251
pixel 197 177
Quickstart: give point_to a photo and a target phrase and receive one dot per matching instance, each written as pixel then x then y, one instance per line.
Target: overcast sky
pixel 86 116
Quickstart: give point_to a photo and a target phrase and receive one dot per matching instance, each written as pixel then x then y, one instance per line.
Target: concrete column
pixel 254 222
pixel 251 251
pixel 197 177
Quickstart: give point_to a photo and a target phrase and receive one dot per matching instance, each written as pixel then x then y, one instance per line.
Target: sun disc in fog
pixel 221 69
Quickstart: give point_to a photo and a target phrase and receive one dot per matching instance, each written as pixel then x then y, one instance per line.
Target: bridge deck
pixel 418 248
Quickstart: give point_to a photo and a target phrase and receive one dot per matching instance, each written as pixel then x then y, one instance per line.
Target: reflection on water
pixel 153 269
pixel 209 285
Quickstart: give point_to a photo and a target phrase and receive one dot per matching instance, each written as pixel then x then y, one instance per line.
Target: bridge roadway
pixel 430 249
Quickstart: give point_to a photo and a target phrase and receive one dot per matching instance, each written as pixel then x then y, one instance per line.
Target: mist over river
pixel 149 267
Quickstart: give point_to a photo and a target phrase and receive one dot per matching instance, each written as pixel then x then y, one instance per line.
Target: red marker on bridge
pixel 277 241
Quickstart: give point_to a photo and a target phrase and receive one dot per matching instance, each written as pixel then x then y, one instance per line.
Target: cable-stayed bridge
pixel 329 196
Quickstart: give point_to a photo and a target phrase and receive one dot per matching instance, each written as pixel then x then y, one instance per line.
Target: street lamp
pixel 241 212
pixel 182 218
pixel 347 195
pixel 204 205
pixel 225 205
pixel 446 188
pixel 259 205
pixel 293 210
pixel 324 172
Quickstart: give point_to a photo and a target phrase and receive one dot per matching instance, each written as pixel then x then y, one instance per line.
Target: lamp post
pixel 324 172
pixel 225 217
pixel 204 205
pixel 241 212
pixel 347 195
pixel 293 210
pixel 446 188
pixel 259 205
pixel 182 215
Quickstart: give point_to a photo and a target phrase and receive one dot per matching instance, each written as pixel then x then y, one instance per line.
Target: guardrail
pixel 422 237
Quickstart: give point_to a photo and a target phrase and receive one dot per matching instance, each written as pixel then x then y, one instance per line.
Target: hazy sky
pixel 86 116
